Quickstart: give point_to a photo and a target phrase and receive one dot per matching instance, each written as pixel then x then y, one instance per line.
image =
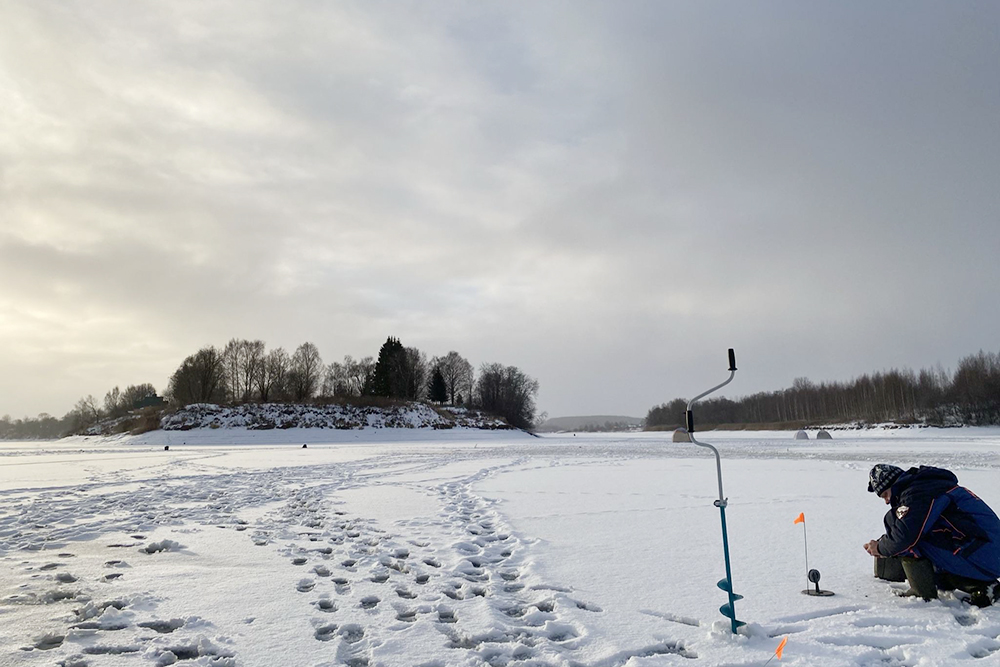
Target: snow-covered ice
pixel 462 547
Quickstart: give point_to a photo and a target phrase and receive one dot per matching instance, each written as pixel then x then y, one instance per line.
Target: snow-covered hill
pixel 267 416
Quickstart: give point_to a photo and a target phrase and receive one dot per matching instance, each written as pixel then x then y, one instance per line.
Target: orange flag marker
pixel 801 518
pixel 777 652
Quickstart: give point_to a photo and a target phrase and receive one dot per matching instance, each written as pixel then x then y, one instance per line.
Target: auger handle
pixel 732 359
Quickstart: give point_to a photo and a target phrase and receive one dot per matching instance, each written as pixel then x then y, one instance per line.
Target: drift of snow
pixel 434 548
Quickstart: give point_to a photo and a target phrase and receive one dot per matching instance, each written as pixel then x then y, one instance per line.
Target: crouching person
pixel 945 536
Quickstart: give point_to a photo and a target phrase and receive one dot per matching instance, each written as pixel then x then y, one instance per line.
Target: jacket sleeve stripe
pixel 930 510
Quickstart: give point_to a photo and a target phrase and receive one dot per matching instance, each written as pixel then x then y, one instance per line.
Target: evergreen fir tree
pixel 384 378
pixel 438 390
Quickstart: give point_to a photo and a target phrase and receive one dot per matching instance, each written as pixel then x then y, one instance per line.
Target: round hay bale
pixel 824 435
pixel 682 435
pixel 801 435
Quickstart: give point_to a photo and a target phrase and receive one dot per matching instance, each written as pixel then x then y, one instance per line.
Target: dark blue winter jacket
pixel 933 517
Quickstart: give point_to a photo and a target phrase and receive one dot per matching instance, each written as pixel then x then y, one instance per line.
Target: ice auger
pixel 728 610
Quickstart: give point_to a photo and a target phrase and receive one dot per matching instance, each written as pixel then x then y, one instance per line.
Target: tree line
pixel 970 396
pixel 245 371
pixel 88 410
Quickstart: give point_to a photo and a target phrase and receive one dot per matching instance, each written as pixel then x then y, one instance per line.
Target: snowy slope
pixel 493 548
pixel 266 416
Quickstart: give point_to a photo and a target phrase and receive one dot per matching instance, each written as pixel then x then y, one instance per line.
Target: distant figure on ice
pixel 945 536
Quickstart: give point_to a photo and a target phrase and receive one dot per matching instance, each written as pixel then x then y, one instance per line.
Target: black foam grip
pixel 732 359
pixel 690 420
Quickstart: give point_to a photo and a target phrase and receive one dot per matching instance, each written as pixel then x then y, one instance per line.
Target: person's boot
pixel 984 596
pixel 920 575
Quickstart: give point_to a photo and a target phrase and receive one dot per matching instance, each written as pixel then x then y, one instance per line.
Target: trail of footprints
pixel 353 573
pixel 98 623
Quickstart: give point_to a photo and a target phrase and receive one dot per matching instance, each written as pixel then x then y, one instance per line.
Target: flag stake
pixel 812 576
pixel 805 540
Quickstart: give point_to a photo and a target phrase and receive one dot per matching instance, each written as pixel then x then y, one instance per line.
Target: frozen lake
pixel 435 549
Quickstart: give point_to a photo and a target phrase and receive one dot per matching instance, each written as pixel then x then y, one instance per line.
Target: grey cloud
pixel 606 195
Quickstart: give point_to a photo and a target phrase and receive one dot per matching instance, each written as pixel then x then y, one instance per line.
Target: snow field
pixel 596 551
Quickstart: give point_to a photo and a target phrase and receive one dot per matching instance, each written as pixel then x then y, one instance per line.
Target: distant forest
pixel 970 396
pixel 244 371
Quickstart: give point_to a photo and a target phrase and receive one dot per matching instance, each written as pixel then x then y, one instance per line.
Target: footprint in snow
pixel 966 619
pixel 48 641
pixel 559 632
pixel 352 633
pixel 369 602
pixel 305 585
pixel 114 649
pixel 586 606
pixel 467 547
pixel 326 605
pixel 325 633
pixel 515 612
pixel 983 648
pixel 163 627
pixel 406 615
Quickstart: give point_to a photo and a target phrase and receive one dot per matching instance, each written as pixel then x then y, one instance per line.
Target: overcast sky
pixel 606 195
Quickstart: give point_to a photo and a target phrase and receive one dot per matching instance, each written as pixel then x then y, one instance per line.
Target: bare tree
pixel 273 376
pixel 333 380
pixel 113 404
pixel 358 373
pixel 413 374
pixel 457 373
pixel 86 412
pixel 251 366
pixel 347 378
pixel 200 379
pixel 506 391
pixel 243 361
pixel 305 373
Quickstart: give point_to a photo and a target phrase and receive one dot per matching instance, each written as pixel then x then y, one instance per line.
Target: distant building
pixel 151 401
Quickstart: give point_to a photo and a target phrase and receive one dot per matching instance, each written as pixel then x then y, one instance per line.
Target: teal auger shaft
pixel 733 597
